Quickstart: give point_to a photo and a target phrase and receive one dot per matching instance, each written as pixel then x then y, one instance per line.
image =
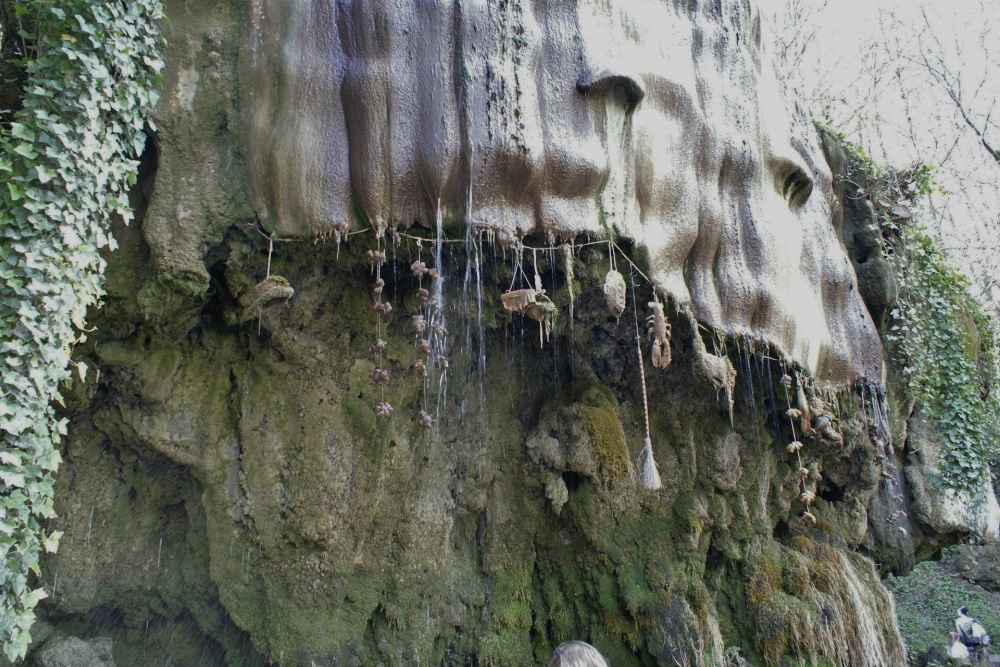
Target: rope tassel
pixel 650 476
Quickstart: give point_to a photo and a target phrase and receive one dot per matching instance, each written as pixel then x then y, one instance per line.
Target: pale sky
pixel 866 57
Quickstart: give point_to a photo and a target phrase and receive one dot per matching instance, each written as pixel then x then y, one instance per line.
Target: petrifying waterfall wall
pixel 230 495
pixel 658 121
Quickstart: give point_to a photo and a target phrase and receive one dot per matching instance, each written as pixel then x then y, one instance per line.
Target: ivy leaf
pixel 44 173
pixel 22 131
pixel 13 479
pixel 25 150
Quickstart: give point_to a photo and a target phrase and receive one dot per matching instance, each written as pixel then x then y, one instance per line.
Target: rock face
pixel 658 121
pixel 240 475
pixel 947 512
pixel 981 565
pixel 229 494
pixel 74 652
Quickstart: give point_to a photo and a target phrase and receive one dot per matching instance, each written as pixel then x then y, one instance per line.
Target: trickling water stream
pixel 892 493
pixel 474 271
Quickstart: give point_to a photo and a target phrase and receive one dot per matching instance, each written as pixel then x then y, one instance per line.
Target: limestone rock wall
pixel 232 487
pixel 229 494
pixel 660 122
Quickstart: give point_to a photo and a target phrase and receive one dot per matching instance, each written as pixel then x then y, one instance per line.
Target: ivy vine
pixel 948 349
pixel 939 334
pixel 88 76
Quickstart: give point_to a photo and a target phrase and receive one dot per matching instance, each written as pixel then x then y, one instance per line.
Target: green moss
pixel 686 512
pixel 607 592
pixel 359 418
pixel 822 524
pixel 128 352
pixel 558 609
pixel 611 595
pixel 795 579
pixel 772 608
pixel 158 368
pixel 363 592
pixel 159 302
pixel 510 603
pixel 733 613
pixel 638 596
pixel 804 545
pixel 698 598
pixel 598 408
pixel 614 651
pixel 505 648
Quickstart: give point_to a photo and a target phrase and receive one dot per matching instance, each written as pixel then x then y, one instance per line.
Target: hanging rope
pixel 649 478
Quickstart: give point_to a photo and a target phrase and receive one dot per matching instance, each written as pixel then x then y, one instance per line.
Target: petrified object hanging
pixel 271 293
pixel 659 333
pixel 534 304
pixel 614 292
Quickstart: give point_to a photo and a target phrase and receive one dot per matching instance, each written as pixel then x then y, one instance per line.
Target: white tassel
pixel 650 476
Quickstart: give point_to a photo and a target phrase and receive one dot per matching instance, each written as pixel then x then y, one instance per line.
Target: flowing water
pixel 438 331
pixel 892 483
pixel 474 270
pixel 865 633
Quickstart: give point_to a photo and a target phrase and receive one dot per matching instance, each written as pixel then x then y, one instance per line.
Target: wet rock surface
pixel 75 652
pixel 563 119
pixel 231 495
pixel 237 477
pixel 981 565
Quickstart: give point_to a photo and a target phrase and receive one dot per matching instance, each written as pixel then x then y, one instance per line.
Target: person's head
pixel 963 611
pixel 577 654
pixel 952 638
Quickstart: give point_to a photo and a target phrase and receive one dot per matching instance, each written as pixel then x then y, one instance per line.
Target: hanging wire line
pixel 518 269
pixel 273 238
pixel 791 422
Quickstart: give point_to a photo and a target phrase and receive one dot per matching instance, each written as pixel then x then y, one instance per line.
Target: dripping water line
pixel 474 261
pixel 270 250
pixel 442 335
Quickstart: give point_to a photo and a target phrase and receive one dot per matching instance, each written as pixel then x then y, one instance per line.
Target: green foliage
pixel 89 74
pixel 942 339
pixel 883 184
pixel 926 600
pixel 948 353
